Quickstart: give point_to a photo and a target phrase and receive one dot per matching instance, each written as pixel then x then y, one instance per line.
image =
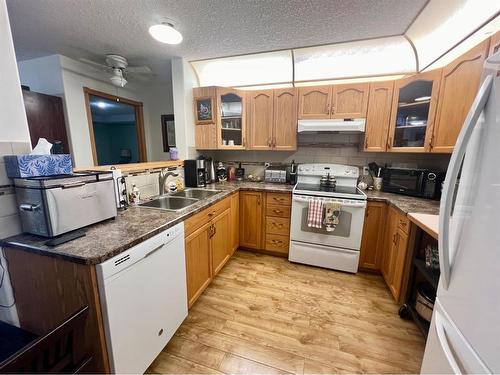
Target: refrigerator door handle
pixel 443 341
pixel 451 179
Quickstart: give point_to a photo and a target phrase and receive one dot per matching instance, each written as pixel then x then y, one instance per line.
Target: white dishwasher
pixel 144 299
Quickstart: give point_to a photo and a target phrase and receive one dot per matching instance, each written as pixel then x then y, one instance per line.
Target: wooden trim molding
pixel 139 116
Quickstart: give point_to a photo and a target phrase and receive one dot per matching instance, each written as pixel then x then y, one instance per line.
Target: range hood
pixel 332 125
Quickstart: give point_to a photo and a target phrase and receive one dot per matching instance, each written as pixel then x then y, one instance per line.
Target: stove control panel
pixel 337 170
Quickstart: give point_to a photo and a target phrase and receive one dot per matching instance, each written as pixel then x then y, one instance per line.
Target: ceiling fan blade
pixel 94 64
pixel 139 69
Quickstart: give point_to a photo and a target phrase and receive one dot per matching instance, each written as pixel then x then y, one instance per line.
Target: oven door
pixel 346 235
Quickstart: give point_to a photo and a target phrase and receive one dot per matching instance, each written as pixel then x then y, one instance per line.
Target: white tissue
pixel 42 147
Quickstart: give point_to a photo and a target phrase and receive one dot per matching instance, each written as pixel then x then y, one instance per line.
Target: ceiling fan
pixel 119 69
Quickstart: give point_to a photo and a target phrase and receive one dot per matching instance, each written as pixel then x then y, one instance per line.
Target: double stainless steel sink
pixel 180 200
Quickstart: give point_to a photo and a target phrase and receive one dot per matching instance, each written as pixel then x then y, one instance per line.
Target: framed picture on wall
pixel 168 132
pixel 204 110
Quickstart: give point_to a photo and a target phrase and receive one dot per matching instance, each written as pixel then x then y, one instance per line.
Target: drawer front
pixel 279 199
pixel 278 225
pixel 277 243
pixel 201 218
pixel 403 223
pixel 278 211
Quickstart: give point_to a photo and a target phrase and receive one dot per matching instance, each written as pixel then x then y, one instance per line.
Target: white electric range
pixel 339 249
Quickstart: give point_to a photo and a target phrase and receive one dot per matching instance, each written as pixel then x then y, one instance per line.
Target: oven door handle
pixel 360 204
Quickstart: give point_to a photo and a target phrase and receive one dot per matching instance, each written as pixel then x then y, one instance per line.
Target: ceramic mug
pixel 231 142
pixel 377 183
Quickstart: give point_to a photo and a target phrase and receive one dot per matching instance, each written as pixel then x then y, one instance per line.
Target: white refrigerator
pixel 464 335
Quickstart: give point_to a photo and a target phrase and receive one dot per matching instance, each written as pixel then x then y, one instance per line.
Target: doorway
pixel 116 127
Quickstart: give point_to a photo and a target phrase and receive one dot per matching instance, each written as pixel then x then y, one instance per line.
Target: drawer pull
pixel 276 242
pixel 403 223
pixel 212 213
pixel 277 211
pixel 279 225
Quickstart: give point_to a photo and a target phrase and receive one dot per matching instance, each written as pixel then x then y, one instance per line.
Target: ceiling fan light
pixel 165 33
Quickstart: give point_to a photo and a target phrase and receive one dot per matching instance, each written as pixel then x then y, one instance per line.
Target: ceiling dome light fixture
pixel 165 33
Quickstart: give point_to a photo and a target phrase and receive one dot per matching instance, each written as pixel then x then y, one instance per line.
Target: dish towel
pixel 332 214
pixel 315 214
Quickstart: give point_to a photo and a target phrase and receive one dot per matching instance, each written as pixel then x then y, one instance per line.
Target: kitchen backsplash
pixel 148 182
pixel 9 218
pixel 329 148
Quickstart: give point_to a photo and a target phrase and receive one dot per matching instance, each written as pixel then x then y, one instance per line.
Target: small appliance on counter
pixel 240 173
pixel 54 205
pixel 194 173
pixel 293 173
pixel 221 172
pixel 422 183
pixel 210 176
pixel 275 174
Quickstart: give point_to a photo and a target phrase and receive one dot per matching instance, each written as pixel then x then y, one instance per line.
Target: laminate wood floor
pixel 263 314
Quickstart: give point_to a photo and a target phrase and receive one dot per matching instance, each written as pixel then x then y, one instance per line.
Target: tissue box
pixel 19 166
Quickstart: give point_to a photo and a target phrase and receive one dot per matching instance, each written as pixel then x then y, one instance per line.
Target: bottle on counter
pixel 135 195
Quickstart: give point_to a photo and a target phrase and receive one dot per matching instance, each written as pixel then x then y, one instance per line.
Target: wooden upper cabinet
pixel 459 84
pixel 314 102
pixel 285 120
pixel 378 116
pixel 205 117
pixel 372 242
pixel 494 43
pixel 231 125
pixel 349 101
pixel 260 118
pixel 413 112
pixel 251 213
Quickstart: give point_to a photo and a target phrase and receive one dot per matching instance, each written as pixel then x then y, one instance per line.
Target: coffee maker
pixel 194 173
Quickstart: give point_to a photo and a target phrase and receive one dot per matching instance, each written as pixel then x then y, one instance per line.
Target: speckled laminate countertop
pixel 405 203
pixel 134 225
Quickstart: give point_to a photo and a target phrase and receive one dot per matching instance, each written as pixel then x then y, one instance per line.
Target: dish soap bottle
pixel 134 196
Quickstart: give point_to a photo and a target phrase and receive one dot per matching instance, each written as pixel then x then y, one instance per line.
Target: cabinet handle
pixel 402 223
pixel 366 142
pixel 389 143
pixel 278 199
pixel 328 109
pixel 277 211
pixel 274 142
pixel 269 143
pixel 211 213
pixel 431 141
pixel 394 238
pixel 258 200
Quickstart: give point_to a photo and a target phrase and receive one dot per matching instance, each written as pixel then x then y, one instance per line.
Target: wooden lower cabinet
pixel 209 245
pixel 372 242
pixel 235 221
pixel 221 247
pixel 198 262
pixel 251 210
pixel 393 264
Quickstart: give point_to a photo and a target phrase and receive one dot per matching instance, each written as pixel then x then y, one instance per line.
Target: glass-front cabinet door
pixel 231 126
pixel 413 112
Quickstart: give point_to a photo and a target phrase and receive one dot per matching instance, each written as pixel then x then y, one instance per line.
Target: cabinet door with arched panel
pixel 413 112
pixel 349 101
pixel 314 102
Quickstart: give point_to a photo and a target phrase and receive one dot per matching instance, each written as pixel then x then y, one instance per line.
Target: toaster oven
pixel 54 205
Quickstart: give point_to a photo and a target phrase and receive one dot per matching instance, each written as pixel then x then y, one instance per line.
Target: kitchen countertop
pixel 428 223
pixel 132 226
pixel 405 203
pixel 136 224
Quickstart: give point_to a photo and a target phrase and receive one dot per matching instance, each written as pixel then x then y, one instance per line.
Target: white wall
pixel 76 76
pixel 13 124
pixel 183 81
pixel 42 75
pixel 13 133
